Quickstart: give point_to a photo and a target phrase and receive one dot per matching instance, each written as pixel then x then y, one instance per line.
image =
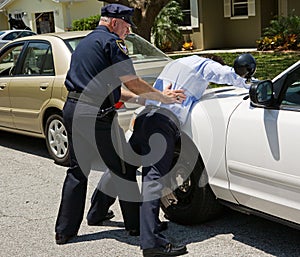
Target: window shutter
pixel 251 7
pixel 227 8
pixel 194 14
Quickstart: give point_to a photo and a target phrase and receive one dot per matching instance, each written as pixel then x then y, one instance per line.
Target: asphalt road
pixel 30 187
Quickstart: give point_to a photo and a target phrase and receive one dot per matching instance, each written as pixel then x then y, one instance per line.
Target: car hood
pixel 216 103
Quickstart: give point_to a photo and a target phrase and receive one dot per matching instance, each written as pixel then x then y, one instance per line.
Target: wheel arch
pixel 50 111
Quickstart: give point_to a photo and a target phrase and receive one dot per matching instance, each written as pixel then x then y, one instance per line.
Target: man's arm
pixel 140 87
pixel 128 96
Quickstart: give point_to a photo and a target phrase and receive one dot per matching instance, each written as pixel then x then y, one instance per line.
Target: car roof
pixel 64 35
pixel 15 30
pixel 69 34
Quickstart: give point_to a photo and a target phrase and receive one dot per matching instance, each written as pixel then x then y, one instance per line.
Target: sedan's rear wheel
pixel 57 140
pixel 193 201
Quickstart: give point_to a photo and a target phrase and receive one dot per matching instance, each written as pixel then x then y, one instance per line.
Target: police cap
pixel 118 11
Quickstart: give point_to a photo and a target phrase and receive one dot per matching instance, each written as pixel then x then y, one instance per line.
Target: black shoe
pixel 62 239
pixel 109 215
pixel 168 250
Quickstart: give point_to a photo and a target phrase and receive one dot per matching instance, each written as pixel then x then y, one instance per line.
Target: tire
pixel 193 202
pixel 57 140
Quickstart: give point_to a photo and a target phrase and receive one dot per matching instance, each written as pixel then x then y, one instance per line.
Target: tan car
pixel 32 91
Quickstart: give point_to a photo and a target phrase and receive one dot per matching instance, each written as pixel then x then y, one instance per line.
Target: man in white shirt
pixel 193 74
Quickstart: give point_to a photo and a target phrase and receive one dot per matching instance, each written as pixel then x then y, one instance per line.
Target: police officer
pixel 98 66
pixel 192 74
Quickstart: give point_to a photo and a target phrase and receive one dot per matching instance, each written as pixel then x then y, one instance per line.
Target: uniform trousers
pixel 90 137
pixel 149 122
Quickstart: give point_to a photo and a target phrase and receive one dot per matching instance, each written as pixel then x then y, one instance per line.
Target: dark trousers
pixel 149 123
pixel 90 137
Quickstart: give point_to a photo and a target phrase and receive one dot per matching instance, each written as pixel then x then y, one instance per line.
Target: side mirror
pixel 262 94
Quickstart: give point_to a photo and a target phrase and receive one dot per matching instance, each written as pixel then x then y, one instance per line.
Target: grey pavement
pixel 30 189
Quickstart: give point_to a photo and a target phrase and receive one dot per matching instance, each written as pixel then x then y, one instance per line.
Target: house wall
pixel 293 5
pixel 64 13
pixel 36 6
pixel 220 32
pixel 269 9
pixel 3 21
pixel 80 10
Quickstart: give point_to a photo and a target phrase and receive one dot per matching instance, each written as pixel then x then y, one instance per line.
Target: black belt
pixel 77 96
pixel 163 111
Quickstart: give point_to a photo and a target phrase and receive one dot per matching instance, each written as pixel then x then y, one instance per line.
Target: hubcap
pixel 57 137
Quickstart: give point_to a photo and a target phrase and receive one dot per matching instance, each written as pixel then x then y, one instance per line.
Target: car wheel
pixel 57 140
pixel 193 202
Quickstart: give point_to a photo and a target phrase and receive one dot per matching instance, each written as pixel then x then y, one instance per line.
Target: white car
pixel 242 152
pixel 9 35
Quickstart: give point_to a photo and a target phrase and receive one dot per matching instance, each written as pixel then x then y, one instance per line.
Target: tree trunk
pixel 145 12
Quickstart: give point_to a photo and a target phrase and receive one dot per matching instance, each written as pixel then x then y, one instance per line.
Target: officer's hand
pixel 173 96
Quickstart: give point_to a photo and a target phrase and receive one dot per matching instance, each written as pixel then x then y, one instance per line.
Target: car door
pixel 31 88
pixel 8 60
pixel 262 153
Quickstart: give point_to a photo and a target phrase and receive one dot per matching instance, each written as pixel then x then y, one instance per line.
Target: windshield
pixel 139 48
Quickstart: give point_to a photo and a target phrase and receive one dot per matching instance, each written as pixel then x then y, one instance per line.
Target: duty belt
pixel 85 99
pixel 163 111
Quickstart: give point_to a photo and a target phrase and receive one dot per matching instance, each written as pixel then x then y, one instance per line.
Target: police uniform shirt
pixel 193 74
pixel 100 57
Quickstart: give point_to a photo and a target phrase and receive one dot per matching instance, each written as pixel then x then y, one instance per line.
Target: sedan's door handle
pixel 3 85
pixel 44 86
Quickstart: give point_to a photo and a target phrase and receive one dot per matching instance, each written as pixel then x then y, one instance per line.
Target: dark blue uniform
pixel 154 120
pixel 93 78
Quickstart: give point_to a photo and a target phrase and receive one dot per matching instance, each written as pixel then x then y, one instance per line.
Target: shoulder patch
pixel 122 46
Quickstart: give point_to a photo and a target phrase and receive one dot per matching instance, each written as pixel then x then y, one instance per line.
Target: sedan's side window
pixel 38 60
pixel 292 94
pixel 9 59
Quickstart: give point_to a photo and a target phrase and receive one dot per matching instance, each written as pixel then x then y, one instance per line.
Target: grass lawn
pixel 269 64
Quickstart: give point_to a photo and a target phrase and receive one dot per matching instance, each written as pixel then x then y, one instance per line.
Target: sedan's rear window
pixel 140 50
pixel 72 43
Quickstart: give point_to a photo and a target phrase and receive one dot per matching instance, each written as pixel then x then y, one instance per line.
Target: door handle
pixel 44 86
pixel 3 85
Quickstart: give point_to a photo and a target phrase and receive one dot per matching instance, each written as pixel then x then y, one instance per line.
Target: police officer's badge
pixel 122 46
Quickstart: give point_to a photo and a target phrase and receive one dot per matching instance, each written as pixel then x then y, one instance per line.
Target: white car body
pixel 249 149
pixel 8 35
pixel 249 153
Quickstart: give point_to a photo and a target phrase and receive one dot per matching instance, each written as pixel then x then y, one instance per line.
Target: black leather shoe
pixel 109 215
pixel 168 250
pixel 62 239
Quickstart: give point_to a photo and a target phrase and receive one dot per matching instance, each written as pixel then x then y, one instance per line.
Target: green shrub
pixel 282 34
pixel 89 23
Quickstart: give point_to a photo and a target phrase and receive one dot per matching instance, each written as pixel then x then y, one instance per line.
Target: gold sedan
pixel 32 91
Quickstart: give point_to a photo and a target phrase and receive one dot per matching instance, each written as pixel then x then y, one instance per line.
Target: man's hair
pixel 105 19
pixel 214 57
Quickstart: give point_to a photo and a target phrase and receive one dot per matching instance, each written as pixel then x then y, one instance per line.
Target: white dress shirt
pixel 193 74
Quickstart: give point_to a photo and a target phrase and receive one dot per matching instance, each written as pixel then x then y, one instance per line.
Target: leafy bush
pixel 165 30
pixel 89 23
pixel 282 34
